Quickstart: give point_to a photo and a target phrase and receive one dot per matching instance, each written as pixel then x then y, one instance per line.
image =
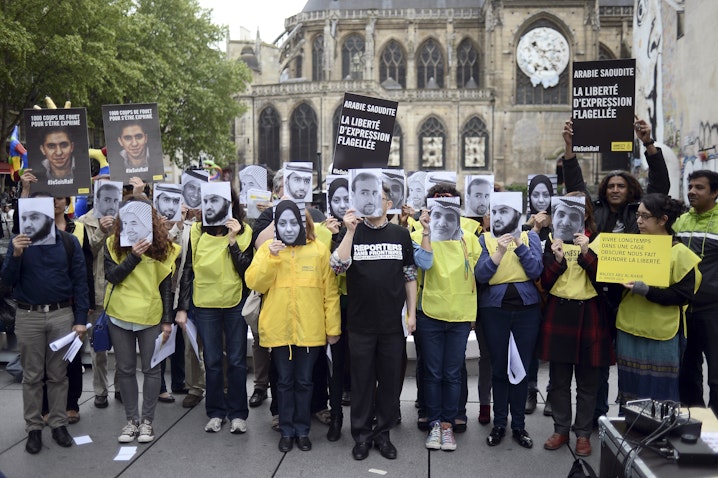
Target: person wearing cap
pixel 167 200
pixel 378 259
pixel 509 305
pixel 298 181
pixel 299 316
pixel 575 336
pixel 446 255
pixel 139 306
pixel 212 281
pixel 52 299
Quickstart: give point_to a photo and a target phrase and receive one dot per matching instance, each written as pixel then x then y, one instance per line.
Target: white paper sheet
pixel 126 453
pixel 191 330
pixel 61 342
pixel 72 350
pixel 163 350
pixel 83 440
pixel 516 369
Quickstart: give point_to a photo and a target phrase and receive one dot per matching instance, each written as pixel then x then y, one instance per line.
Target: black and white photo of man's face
pixel 566 221
pixel 168 205
pixel 108 200
pixel 36 225
pixel 191 193
pixel 445 224
pixel 504 220
pixel 215 209
pixel 298 185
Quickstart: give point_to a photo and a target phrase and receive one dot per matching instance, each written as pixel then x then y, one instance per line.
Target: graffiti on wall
pixel 700 151
pixel 647 47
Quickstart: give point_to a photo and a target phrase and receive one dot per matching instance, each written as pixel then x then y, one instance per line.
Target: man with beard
pixel 477 197
pixel 215 209
pixel 298 181
pixel 37 226
pixel 108 200
pixel 167 200
pixel 366 189
pixel 49 284
pixel 504 220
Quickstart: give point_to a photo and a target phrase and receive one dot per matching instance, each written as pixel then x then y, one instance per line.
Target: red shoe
pixel 556 441
pixel 583 446
pixel 484 414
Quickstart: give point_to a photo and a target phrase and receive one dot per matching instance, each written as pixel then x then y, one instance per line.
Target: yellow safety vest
pixel 137 298
pixel 448 288
pixel 643 318
pixel 574 283
pixel 510 269
pixel 79 232
pixel 216 282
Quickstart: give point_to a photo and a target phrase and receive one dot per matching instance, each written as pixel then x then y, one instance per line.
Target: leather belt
pixel 44 307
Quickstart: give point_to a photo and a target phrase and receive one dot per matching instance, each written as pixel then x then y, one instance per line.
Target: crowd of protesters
pixel 360 285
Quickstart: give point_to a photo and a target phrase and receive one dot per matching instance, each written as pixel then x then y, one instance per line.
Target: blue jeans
pixel 443 348
pixel 294 387
pixel 212 324
pixel 498 324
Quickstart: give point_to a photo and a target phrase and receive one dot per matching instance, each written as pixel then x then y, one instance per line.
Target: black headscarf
pixel 292 206
pixel 536 180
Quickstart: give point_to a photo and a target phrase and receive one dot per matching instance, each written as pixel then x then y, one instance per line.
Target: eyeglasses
pixel 644 216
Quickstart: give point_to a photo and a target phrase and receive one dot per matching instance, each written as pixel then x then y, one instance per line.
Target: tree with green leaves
pixel 96 52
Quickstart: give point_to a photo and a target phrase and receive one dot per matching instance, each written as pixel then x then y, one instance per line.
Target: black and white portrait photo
pixel 506 217
pixel 365 192
pixel 298 181
pixel 192 180
pixel 567 216
pixel 416 196
pixel 252 176
pixel 216 203
pixel 168 201
pixel 439 177
pixel 136 219
pixel 541 190
pixel 108 195
pixel 395 180
pixel 444 218
pixel 37 219
pixel 337 195
pixel 477 194
pixel 290 223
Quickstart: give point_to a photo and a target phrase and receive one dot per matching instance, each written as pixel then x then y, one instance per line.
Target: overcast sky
pixel 267 15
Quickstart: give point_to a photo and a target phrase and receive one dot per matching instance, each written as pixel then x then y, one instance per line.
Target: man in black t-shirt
pixel 381 276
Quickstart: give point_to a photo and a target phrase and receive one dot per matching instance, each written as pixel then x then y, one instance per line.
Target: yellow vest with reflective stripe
pixel 216 282
pixel 137 298
pixel 643 318
pixel 510 269
pixel 448 289
pixel 574 283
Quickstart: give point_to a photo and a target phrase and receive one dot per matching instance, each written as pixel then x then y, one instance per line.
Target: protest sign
pixel 134 144
pixel 634 257
pixel 57 150
pixel 603 106
pixel 364 136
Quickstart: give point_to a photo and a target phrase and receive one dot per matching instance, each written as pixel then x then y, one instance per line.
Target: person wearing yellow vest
pixel 446 256
pixel 300 315
pixel 510 304
pixel 650 320
pixel 74 368
pixel 575 336
pixel 139 305
pixel 213 280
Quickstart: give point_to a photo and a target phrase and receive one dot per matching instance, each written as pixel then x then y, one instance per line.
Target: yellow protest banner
pixel 632 257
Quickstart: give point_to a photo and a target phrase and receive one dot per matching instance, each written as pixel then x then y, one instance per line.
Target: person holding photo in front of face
pixel 136 219
pixel 575 335
pixel 138 301
pixel 300 315
pixel 213 281
pixel 339 198
pixel 509 306
pixel 366 193
pixel 446 306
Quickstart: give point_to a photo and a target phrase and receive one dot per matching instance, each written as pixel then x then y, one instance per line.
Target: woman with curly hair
pixel 139 306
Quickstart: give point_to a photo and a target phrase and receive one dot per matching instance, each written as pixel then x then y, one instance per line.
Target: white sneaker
pixel 238 426
pixel 129 432
pixel 433 439
pixel 147 433
pixel 214 425
pixel 448 442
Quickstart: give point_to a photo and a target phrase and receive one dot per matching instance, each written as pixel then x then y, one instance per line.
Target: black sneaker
pixel 100 401
pixel 531 402
pixel 496 435
pixel 523 438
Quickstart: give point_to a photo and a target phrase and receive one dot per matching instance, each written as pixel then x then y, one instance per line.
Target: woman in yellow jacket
pixel 300 314
pixel 138 302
